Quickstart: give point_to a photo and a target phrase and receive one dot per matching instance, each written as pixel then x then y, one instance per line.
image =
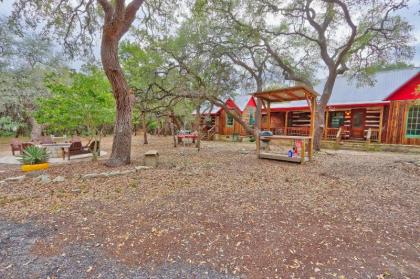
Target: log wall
pixel 397 123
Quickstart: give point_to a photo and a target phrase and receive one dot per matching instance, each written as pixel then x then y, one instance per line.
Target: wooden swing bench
pixel 300 158
pixel 295 93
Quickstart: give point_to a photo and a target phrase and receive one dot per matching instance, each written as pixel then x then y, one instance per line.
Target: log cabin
pixel 388 112
pixel 219 125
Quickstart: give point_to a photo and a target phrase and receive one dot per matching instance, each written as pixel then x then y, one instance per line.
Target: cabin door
pixel 358 117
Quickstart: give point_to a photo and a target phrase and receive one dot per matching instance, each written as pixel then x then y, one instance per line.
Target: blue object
pixel 266 134
pixel 290 153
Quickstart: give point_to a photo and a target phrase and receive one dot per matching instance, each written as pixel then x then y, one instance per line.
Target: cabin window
pixel 229 120
pixel 337 119
pixel 413 122
pixel 251 116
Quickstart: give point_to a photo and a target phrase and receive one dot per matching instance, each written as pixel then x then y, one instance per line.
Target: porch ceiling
pixel 288 94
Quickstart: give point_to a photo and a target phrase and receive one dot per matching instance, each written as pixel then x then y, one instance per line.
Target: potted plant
pixel 34 158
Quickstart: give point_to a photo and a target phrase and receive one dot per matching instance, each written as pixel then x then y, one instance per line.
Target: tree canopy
pixel 82 102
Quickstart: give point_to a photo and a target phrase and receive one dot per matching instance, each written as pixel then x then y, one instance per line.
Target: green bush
pixel 152 125
pixel 33 155
pixel 9 127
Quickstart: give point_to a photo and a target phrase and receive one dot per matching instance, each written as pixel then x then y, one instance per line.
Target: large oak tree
pixel 79 24
pixel 335 37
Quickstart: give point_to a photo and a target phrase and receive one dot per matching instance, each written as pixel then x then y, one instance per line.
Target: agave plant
pixel 33 155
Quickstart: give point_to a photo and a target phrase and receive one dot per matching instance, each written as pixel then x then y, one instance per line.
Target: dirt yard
pixel 219 213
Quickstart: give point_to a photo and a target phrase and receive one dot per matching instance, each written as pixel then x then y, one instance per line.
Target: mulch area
pixel 344 215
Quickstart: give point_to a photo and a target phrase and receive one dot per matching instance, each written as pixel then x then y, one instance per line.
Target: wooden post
pixel 369 135
pixel 286 120
pixel 302 154
pixel 268 116
pixel 327 120
pixel 338 136
pixel 312 129
pixel 258 126
pixel 381 119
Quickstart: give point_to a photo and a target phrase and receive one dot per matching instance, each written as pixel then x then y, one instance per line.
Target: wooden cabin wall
pixel 245 118
pixel 397 118
pixel 373 115
pixel 228 130
pixel 299 119
pixel 237 128
pixel 277 120
pixel 385 123
pixel 347 120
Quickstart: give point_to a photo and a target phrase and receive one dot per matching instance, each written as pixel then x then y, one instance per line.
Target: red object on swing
pixel 298 145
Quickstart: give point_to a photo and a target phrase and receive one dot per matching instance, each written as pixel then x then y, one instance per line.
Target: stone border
pixel 45 178
pixel 113 173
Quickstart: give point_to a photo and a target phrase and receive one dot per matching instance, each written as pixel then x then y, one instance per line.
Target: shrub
pixel 33 155
pixel 9 127
pixel 151 126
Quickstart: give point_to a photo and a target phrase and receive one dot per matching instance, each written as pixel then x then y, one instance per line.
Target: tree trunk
pixel 319 127
pixel 320 115
pixel 198 122
pixel 143 117
pixel 177 123
pixel 237 117
pixel 36 128
pixel 173 128
pixel 121 145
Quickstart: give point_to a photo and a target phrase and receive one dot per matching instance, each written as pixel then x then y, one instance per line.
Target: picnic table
pixel 186 138
pixel 55 149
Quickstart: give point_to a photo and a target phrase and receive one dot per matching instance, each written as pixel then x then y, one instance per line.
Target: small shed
pixel 295 93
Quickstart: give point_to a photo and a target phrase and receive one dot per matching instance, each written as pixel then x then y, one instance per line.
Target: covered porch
pixel 342 123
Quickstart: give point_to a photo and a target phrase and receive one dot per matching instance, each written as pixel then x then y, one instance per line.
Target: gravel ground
pixel 75 261
pixel 218 213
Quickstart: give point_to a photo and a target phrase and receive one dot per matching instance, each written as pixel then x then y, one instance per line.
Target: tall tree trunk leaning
pixel 235 116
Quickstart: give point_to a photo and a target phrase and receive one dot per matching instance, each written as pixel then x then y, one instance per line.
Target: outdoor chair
pixel 16 145
pixel 75 139
pixel 26 144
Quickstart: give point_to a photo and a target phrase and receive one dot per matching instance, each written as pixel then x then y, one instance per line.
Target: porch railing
pixel 372 135
pixel 331 133
pixel 338 134
pixel 291 131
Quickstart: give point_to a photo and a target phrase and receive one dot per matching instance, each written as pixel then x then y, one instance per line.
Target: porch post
pixel 381 119
pixel 258 126
pixel 286 120
pixel 268 116
pixel 312 130
pixel 327 120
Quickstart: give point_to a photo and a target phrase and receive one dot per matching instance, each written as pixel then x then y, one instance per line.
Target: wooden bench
pixel 76 148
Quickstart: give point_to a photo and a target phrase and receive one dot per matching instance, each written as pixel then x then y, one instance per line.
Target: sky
pixel 412 15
